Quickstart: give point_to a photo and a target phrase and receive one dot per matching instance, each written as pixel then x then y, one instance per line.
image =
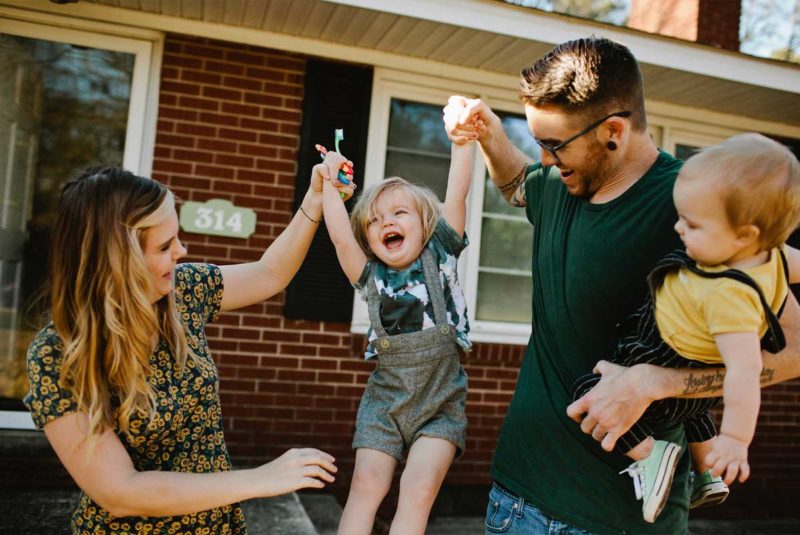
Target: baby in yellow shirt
pixel 716 303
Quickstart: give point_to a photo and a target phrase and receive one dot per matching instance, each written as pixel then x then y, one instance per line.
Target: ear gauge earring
pixel 611 145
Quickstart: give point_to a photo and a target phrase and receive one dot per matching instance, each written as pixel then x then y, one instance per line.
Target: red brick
pixel 216 145
pixel 177 87
pixel 263 99
pixel 239 109
pixel 240 135
pixel 267 74
pixel 201 76
pixel 194 129
pixel 204 51
pixel 336 377
pixel 190 182
pixel 286 63
pixel 257 124
pixel 214 171
pixel 221 94
pixel 183 61
pixel 258 150
pixel 199 103
pixel 243 83
pixel 243 57
pixel 219 119
pixel 225 68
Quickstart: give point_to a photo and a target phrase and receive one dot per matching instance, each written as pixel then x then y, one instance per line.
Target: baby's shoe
pixel 652 477
pixel 707 490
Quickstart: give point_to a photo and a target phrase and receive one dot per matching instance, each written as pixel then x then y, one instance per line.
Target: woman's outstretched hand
pixel 298 468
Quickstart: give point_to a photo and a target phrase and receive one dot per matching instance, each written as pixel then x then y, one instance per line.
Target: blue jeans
pixel 512 515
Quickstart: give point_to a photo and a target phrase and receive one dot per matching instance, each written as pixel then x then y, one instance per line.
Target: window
pixel 504 266
pixel 407 139
pixel 66 104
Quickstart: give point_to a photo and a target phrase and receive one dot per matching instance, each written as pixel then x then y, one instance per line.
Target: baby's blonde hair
pixel 426 202
pixel 759 184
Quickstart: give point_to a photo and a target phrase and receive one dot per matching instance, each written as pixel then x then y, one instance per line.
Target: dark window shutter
pixel 337 95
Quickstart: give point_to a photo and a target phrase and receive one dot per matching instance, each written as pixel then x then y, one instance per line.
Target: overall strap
pixel 435 292
pixel 785 263
pixel 374 302
pixel 434 285
pixel 773 340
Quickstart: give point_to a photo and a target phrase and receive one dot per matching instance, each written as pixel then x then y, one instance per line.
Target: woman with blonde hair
pixel 122 381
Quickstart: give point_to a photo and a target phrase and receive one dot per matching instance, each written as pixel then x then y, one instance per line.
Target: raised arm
pixel 254 282
pixel 458 182
pixel 623 394
pixel 471 119
pixel 106 474
pixel 351 257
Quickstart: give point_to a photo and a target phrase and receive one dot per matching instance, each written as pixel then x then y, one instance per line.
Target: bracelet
pixel 308 216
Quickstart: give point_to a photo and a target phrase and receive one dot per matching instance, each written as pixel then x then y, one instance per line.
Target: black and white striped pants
pixel 643 344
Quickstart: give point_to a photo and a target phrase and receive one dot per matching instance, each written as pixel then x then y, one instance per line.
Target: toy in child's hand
pixel 345 175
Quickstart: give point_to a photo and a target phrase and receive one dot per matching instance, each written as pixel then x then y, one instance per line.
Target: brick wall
pixel 228 127
pixel 711 22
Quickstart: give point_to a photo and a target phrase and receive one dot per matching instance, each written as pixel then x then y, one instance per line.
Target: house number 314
pixel 219 218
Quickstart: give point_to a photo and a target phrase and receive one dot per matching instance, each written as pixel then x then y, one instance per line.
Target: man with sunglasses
pixel 600 202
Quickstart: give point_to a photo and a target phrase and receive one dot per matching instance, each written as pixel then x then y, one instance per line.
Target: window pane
pixel 420 169
pixel 418 149
pixel 62 107
pixel 417 125
pixel 506 242
pixel 504 298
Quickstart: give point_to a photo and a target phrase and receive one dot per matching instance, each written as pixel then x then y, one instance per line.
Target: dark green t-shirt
pixel 590 263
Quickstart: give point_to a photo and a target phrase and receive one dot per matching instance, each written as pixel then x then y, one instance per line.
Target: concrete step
pixel 48 512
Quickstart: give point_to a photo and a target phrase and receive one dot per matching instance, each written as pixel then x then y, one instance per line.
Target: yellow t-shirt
pixel 691 309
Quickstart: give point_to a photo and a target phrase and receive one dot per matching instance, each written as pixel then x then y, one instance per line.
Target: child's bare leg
pixel 699 450
pixel 372 478
pixel 428 461
pixel 641 450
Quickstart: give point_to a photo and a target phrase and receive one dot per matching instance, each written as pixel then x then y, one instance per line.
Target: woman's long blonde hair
pixel 100 295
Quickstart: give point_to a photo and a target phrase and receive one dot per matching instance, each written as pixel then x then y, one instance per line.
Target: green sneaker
pixel 707 490
pixel 652 477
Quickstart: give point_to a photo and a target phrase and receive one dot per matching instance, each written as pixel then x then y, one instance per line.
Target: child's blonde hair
pixel 425 200
pixel 759 184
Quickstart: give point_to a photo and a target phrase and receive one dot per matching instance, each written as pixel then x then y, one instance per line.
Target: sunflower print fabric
pixel 186 433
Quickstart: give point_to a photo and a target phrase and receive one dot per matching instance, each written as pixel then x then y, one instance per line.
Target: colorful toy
pixel 345 175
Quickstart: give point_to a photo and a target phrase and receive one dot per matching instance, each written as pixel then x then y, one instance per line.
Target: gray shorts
pixel 418 389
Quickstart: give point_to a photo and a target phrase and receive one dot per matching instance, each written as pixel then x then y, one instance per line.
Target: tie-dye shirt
pixel 405 305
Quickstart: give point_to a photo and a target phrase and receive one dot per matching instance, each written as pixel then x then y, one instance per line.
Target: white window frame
pixel 147 46
pixel 389 84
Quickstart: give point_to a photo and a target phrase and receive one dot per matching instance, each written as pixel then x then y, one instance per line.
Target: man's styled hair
pixel 425 200
pixel 758 180
pixel 593 76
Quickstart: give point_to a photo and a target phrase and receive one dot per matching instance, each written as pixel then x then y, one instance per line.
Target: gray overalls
pixel 419 387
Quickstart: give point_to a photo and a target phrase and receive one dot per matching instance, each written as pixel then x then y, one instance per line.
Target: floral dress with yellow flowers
pixel 186 432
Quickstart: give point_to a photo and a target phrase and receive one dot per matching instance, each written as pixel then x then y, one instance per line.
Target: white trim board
pixel 525 23
pixel 485 15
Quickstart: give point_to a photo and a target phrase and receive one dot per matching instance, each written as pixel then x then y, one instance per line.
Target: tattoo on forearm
pixel 767 374
pixel 710 381
pixel 713 380
pixel 514 182
pixel 520 198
